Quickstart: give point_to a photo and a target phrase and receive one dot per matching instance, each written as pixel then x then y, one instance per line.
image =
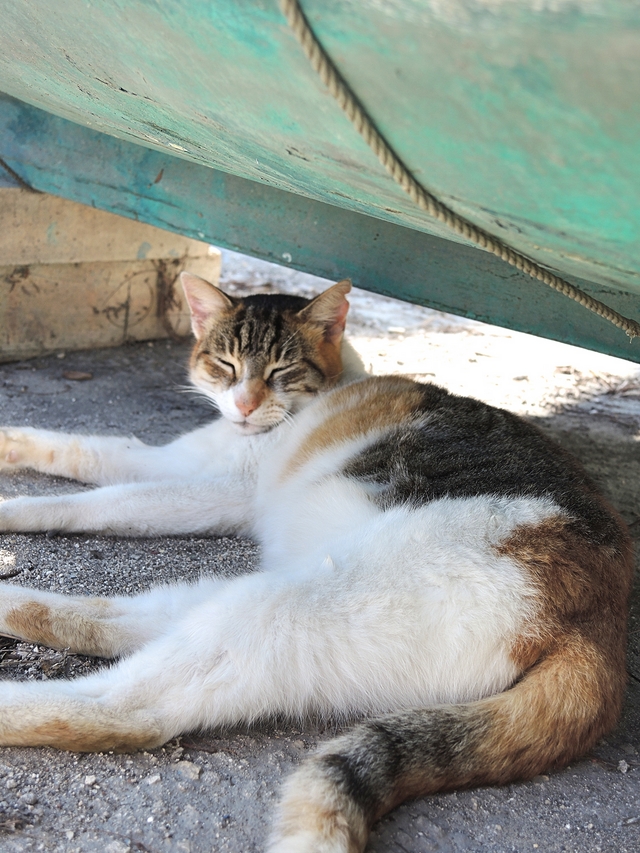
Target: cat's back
pixel 410 444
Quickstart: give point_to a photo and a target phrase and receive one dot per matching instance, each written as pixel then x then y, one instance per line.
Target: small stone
pixel 10 784
pixel 69 834
pixel 189 769
pixel 29 798
pixel 117 847
pixel 299 744
pixel 623 767
pixel 89 780
pixel 541 778
pixel 153 780
pixel 77 375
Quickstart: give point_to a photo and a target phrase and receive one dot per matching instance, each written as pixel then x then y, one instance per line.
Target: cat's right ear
pixel 206 302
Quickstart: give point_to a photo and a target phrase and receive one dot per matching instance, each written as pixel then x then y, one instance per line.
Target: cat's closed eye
pixel 226 366
pixel 274 372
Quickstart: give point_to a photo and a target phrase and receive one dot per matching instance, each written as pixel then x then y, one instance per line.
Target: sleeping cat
pixel 429 562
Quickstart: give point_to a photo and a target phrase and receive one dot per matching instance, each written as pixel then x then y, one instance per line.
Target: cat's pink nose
pixel 246 406
pixel 249 395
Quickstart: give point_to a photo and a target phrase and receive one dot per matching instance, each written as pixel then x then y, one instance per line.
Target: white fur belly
pixel 424 610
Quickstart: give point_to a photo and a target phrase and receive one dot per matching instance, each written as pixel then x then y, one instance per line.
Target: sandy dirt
pixel 215 791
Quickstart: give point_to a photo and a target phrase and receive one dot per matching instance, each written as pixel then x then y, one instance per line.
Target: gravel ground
pixel 216 791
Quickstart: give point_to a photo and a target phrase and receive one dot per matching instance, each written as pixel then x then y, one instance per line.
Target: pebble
pixel 152 780
pixel 117 846
pixel 89 780
pixel 623 767
pixel 77 375
pixel 11 783
pixel 189 769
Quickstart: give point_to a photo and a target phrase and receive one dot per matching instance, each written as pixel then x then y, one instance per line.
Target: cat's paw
pixel 16 446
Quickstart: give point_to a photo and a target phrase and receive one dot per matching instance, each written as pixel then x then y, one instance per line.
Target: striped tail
pixel 555 713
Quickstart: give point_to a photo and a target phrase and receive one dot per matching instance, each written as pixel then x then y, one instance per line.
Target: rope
pixel 339 88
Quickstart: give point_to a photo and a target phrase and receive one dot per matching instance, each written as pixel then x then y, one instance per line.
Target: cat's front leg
pixel 220 505
pixel 214 449
pixel 89 459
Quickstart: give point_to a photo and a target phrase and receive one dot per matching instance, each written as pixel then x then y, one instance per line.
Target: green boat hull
pixel 205 117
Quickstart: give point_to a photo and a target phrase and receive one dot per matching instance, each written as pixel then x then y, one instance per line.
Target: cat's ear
pixel 206 302
pixel 329 310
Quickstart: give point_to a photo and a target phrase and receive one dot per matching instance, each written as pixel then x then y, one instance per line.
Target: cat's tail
pixel 555 713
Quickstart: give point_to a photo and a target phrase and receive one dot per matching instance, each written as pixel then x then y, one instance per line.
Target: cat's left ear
pixel 206 302
pixel 330 311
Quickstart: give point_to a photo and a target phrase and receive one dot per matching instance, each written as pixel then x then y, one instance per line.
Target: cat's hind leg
pixel 240 654
pixel 105 627
pixel 75 715
pixel 300 640
pixel 142 701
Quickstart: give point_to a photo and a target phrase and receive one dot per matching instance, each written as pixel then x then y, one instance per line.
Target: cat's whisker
pixel 197 392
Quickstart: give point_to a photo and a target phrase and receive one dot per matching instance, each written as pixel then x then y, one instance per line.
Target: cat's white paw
pixel 15 447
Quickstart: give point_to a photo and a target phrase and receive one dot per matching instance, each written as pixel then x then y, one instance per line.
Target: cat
pixel 430 563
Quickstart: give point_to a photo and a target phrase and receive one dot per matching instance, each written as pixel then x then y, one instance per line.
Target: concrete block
pixel 72 277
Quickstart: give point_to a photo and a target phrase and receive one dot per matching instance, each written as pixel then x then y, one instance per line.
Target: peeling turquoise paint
pixel 523 116
pixel 57 156
pixel 143 251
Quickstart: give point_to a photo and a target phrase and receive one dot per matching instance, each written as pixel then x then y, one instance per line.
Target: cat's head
pixel 262 357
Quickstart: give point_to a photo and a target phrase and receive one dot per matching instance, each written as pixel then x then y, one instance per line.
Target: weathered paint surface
pixel 60 157
pixel 73 277
pixel 523 115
